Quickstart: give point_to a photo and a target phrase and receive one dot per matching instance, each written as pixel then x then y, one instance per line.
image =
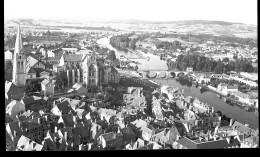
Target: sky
pixel 242 11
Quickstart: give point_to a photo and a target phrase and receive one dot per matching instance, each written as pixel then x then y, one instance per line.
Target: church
pixel 19 62
pixel 80 68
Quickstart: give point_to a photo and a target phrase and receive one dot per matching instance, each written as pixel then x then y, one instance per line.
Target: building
pixel 242 97
pixel 47 87
pixel 226 89
pixel 19 61
pixel 111 140
pixel 50 54
pixel 12 92
pixel 8 55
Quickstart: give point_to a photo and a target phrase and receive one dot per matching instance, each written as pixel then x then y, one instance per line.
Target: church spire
pixel 18 42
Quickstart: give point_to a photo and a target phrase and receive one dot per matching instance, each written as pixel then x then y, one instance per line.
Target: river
pixel 155 63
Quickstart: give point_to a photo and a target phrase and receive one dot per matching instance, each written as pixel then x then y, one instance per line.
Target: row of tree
pixel 205 64
pixel 122 42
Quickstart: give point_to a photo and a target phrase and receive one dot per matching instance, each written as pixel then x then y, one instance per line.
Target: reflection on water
pixel 155 63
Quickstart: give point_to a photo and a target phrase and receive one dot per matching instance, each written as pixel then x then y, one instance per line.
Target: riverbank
pixel 155 63
pixel 235 112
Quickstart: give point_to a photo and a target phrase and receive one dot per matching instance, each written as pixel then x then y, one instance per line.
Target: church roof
pixel 18 42
pixel 73 58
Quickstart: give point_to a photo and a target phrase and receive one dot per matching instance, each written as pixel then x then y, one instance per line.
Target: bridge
pixel 162 73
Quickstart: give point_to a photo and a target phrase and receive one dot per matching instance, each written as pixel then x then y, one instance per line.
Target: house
pixel 50 53
pixel 32 62
pixel 226 89
pixel 73 50
pixel 26 144
pixel 47 87
pixel 31 74
pixel 14 108
pixel 95 131
pixel 250 142
pixel 12 92
pixel 186 143
pixel 128 136
pixel 79 88
pixel 145 133
pixel 46 74
pixel 242 129
pixel 34 103
pixel 9 55
pixel 64 107
pixel 242 97
pixel 200 77
pixel 111 140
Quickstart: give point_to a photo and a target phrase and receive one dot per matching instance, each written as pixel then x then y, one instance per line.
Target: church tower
pixel 19 75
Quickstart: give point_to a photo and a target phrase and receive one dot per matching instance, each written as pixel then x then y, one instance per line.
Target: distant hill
pixel 184 22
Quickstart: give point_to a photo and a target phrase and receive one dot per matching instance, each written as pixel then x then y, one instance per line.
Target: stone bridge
pixel 162 73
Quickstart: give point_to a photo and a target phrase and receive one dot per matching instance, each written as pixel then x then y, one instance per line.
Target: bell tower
pixel 19 75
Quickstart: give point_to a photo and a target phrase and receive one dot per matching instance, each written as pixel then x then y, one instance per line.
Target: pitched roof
pixel 68 120
pixel 73 58
pixel 45 82
pixel 187 143
pixel 111 136
pixel 232 87
pixel 12 90
pixel 31 71
pixel 64 107
pixel 240 94
pixel 127 133
pixel 241 128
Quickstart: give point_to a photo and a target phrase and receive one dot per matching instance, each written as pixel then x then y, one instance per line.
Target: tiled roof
pixel 31 71
pixel 240 94
pixel 68 120
pixel 64 107
pixel 187 143
pixel 241 128
pixel 127 133
pixel 13 91
pixel 109 136
pixel 232 87
pixel 45 82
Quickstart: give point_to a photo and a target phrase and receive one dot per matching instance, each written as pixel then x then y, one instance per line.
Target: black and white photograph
pixel 110 75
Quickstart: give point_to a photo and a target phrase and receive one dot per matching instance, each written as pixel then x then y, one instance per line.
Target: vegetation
pixel 204 64
pixel 61 80
pixel 122 42
pixel 8 70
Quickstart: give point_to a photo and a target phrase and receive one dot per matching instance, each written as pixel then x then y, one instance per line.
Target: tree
pixel 61 80
pixel 225 59
pixel 111 55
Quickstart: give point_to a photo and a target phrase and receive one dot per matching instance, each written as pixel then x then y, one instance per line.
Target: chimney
pixel 65 136
pixel 89 146
pixel 114 135
pixel 231 122
pixel 228 140
pixel 74 119
pixel 80 147
pixel 177 137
